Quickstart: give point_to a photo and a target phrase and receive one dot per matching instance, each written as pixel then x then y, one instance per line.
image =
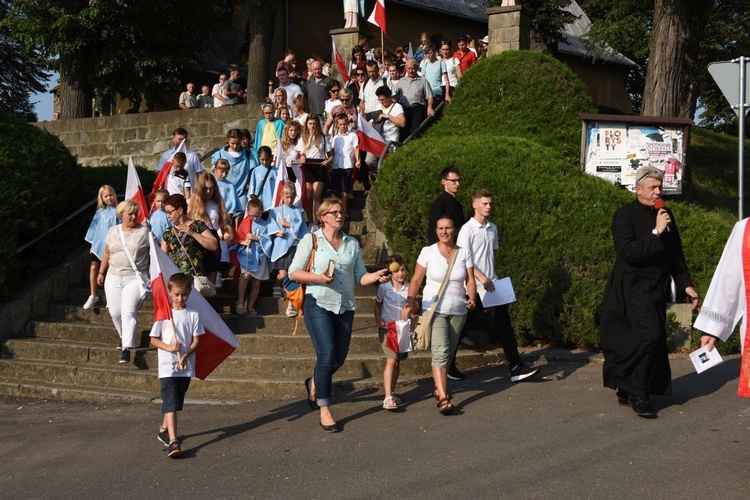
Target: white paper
pixel 703 359
pixel 502 294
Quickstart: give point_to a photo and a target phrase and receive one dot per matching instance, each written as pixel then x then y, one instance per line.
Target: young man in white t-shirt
pixel 479 236
pixel 176 342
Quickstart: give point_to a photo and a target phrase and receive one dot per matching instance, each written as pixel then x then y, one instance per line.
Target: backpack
pixel 295 292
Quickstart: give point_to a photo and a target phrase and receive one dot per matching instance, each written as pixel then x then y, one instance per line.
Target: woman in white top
pixel 314 146
pixel 452 65
pixel 122 286
pixel 451 311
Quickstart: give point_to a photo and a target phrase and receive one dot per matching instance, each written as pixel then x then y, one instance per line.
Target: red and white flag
pixel 282 178
pixel 369 138
pixel 399 336
pixel 161 179
pixel 378 15
pixel 218 341
pixel 340 64
pixel 134 191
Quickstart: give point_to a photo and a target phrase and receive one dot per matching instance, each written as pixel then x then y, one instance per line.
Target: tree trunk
pixel 76 92
pixel 671 88
pixel 259 34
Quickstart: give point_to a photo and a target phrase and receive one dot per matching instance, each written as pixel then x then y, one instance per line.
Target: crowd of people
pixel 232 221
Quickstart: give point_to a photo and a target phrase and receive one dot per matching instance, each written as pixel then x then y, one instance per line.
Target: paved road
pixel 560 437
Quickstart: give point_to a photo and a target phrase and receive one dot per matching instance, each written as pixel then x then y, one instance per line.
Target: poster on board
pixel 615 151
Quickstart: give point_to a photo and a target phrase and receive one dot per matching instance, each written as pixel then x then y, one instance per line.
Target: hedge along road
pixel 560 436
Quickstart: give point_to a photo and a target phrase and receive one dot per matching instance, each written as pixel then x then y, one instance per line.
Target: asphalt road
pixel 560 436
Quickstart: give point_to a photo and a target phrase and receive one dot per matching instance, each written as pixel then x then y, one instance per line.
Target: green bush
pixel 553 219
pixel 42 185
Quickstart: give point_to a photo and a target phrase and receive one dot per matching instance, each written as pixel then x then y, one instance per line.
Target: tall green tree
pixel 20 75
pixel 135 48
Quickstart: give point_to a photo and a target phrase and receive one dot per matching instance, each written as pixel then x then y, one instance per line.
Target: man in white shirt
pixel 187 99
pixel 218 93
pixel 291 88
pixel 193 165
pixel 479 236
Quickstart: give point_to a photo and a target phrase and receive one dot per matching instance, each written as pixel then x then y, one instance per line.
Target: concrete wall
pixel 145 136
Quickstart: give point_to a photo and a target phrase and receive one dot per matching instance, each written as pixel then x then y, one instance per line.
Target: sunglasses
pixel 361 74
pixel 334 90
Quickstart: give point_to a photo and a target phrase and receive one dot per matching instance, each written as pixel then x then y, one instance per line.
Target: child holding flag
pixel 389 302
pixel 176 362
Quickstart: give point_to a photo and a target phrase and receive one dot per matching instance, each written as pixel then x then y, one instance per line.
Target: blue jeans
pixel 331 334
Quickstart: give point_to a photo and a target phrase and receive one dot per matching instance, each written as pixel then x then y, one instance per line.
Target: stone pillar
pixel 345 39
pixel 509 29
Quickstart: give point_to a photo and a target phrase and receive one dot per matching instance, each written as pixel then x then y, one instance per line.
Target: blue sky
pixel 43 102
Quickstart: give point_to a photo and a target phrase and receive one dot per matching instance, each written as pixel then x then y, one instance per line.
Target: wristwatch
pixel 655 232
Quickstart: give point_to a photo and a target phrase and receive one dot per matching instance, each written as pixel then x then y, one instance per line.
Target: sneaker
pixel 125 356
pixel 455 374
pixel 163 436
pixel 521 372
pixel 174 450
pixel 91 301
pixel 239 308
pixel 291 311
pixel 277 292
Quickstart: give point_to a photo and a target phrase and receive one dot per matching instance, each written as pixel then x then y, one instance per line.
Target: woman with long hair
pixel 207 205
pixel 314 146
pixel 279 101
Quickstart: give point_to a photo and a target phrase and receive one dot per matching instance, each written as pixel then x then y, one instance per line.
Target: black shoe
pixel 313 404
pixel 522 372
pixel 331 428
pixel 455 374
pixel 642 407
pixel 623 397
pixel 125 356
pixel 163 436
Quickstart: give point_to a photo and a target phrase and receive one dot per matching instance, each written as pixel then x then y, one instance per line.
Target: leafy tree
pixel 20 75
pixel 139 47
pixel 627 25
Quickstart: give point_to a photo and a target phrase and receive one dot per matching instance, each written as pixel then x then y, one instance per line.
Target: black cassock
pixel 633 314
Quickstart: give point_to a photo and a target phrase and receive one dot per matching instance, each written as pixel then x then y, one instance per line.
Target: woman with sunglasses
pixel 333 88
pixel 357 81
pixel 329 300
pixel 348 107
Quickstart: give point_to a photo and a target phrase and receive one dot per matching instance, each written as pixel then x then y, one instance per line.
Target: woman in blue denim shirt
pixel 329 300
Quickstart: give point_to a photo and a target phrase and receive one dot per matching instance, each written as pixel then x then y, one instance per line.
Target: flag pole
pixel 382 50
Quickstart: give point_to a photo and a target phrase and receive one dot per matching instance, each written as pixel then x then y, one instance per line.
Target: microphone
pixel 658 205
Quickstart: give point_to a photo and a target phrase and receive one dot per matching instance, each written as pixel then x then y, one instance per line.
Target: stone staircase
pixel 73 355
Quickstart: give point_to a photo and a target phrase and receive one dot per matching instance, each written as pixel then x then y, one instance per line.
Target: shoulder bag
pixel 421 337
pixel 202 284
pixel 295 292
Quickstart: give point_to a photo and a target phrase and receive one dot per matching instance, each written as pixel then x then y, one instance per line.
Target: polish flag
pixel 340 62
pixel 369 138
pixel 378 15
pixel 410 54
pixel 282 178
pixel 399 336
pixel 134 191
pixel 218 341
pixel 161 179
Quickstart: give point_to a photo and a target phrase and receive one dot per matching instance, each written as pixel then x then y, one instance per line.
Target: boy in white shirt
pixel 345 157
pixel 176 361
pixel 178 180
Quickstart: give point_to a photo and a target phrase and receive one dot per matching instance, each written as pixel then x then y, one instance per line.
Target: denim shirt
pixel 337 297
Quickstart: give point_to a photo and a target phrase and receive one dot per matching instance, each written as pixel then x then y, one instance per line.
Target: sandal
pixel 437 396
pixel 239 308
pixel 390 403
pixel 251 311
pixel 445 407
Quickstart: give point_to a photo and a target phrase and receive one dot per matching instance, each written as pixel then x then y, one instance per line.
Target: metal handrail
pixel 84 208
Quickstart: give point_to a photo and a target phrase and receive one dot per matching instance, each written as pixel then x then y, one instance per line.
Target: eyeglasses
pixel 344 99
pixel 453 180
pixel 279 95
pixel 170 212
pixel 268 112
pixel 335 213
pixel 334 90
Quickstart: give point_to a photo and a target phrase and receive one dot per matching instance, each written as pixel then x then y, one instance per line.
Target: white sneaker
pixel 91 302
pixel 291 311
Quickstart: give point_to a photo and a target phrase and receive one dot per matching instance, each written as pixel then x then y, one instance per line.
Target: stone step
pixel 358 365
pixel 40 390
pixel 72 317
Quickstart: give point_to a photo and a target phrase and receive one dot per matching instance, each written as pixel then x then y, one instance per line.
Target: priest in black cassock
pixel 633 315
